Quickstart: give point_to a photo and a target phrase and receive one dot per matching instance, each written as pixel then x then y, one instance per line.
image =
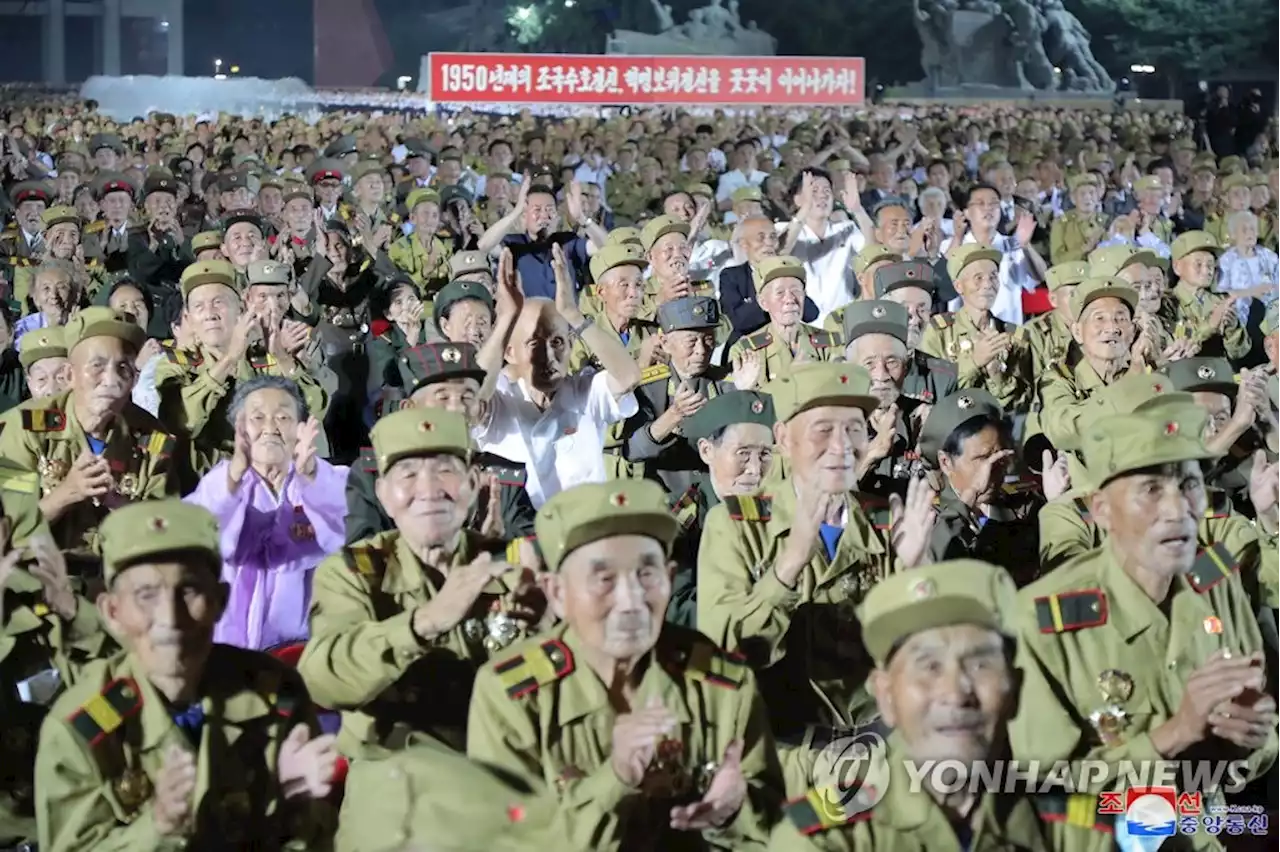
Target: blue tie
pixel 626 337
pixel 96 446
pixel 830 538
pixel 190 720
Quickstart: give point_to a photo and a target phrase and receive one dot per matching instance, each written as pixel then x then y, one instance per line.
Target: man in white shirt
pixel 1018 258
pixel 744 173
pixel 538 415
pixel 825 248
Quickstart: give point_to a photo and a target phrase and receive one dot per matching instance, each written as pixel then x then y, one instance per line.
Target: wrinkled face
pixel 1151 516
pixel 1219 407
pixel 241 243
pixel 540 213
pixel 87 206
pixel 328 191
pixel 893 228
pixel 1087 198
pixel 919 305
pixel 984 209
pixel 498 189
pixel 679 205
pixel 164 613
pixel 271 419
pixel 539 345
pixel 933 206
pixel 948 691
pixel 48 377
pixel 882 174
pixel 613 593
pixel 239 198
pixel 29 213
pixel 270 201
pixel 1259 197
pixel 1244 232
pixel 461 396
pixel 428 497
pixel 1197 269
pixel 622 291
pixel 1238 198
pixel 885 358
pixel 469 321
pixel 965 467
pixel 116 207
pixel 102 375
pixel 161 206
pixel 690 350
pixel 51 294
pixel 1150 291
pixel 214 310
pixel 62 239
pixel 1004 180
pixel 269 301
pixel 740 460
pixel 128 299
pixel 1105 329
pixel 823 445
pixel 978 284
pixel 670 256
pixel 425 218
pixel 371 188
pixel 783 300
pixel 759 239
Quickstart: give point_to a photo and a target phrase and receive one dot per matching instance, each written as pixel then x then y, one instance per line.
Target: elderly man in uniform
pixel 757 239
pixel 401 621
pixel 44 362
pixel 773 351
pixel 670 393
pixel 913 285
pixel 92 447
pixel 653 737
pixel 178 742
pixel 462 312
pixel 779 576
pixel 866 264
pixel 1078 231
pixel 1208 318
pixel 982 345
pixel 108 244
pixel 1048 336
pixel 423 255
pixel 665 240
pixel 447 376
pixel 1146 649
pixel 945 680
pixel 22 245
pixel 196 386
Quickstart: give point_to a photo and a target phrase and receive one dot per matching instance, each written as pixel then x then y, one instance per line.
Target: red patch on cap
pixel 844 380
pixel 1171 428
pixel 515 813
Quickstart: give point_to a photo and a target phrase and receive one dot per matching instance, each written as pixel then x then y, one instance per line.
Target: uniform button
pixel 1173 664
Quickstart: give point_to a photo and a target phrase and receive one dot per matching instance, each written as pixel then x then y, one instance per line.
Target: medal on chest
pixel 132 789
pixel 52 472
pixel 301 529
pixel 1110 720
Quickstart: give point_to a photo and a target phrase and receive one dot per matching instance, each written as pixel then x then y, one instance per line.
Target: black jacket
pixel 738 302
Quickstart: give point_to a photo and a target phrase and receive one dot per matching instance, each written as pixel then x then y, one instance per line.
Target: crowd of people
pixel 465 481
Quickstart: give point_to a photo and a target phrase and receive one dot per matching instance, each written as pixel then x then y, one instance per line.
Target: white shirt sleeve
pixel 602 406
pixel 495 422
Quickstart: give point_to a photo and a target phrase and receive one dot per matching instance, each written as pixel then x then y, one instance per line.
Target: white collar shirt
pixel 828 264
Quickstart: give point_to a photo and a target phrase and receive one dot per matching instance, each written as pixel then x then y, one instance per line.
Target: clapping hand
pixel 723 799
pixel 747 369
pixel 911 522
pixel 1055 477
pixel 306 764
pixel 635 740
pixel 304 451
pixel 50 568
pixel 174 788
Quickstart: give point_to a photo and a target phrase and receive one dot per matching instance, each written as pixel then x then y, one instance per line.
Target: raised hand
pixel 509 296
pixel 306 764
pixel 747 369
pixel 911 522
pixel 635 740
pixel 456 597
pixel 304 451
pixel 1055 477
pixel 1263 487
pixel 492 525
pixel 50 568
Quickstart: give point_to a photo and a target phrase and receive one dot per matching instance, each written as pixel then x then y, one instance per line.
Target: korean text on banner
pixel 617 80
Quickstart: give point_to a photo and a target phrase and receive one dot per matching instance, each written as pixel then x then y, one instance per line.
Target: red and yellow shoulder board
pixel 710 664
pixel 43 420
pixel 541 665
pixel 654 373
pixel 1212 566
pixel 1078 809
pixel 367 561
pixel 824 339
pixel 758 341
pixel 1068 611
pixel 749 508
pixel 944 320
pixel 105 712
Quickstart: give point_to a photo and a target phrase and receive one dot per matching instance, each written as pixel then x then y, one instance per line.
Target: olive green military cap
pixel 747 193
pixel 950 413
pixel 468 261
pixel 421 196
pixel 102 322
pixel 872 253
pixel 874 317
pixel 626 235
pixel 837 166
pixel 729 408
pixel 782 266
pixel 962 591
pixel 41 343
pixel 419 432
pixel 458 291
pixel 364 168
pixel 614 255
pixel 152 529
pixel 814 385
pixel 453 192
pixel 1092 289
pixel 1191 242
pixel 208 272
pixel 206 240
pixel 963 255
pixel 1066 274
pixel 903 273
pixel 1212 375
pixel 1271 319
pixel 1107 262
pixel 689 313
pixel 296 189
pixel 1205 162
pixel 1121 397
pixel 1085 178
pixel 271 179
pixel 589 512
pixel 1148 183
pixel 700 190
pixel 1234 181
pixel 427 363
pixel 60 214
pixel 658 227
pixel 269 273
pixel 1164 430
pixel 1231 165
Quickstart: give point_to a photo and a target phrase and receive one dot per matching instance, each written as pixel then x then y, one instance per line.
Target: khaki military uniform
pixel 1048 341
pixel 690 508
pixel 365 660
pixel 906 819
pixel 1194 308
pixel 1103 665
pixel 109 249
pixel 928 379
pixel 45 436
pixel 1063 400
pixel 951 336
pixel 543 714
pixel 803 641
pixel 1074 235
pixel 778 358
pixel 428 267
pixel 192 400
pixel 103 745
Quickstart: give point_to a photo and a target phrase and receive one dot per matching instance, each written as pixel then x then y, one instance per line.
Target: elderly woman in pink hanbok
pixel 281 510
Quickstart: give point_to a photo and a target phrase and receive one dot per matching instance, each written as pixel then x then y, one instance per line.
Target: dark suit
pixel 872 196
pixel 738 303
pixel 674 461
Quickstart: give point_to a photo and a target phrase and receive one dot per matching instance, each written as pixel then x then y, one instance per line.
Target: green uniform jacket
pixel 951 337
pixel 542 713
pixel 428 267
pixel 364 659
pixel 1073 235
pixel 674 460
pixel 1194 310
pixel 690 508
pixel 1049 342
pixel 1087 627
pixel 103 744
pixel 907 820
pixel 805 642
pixel 1063 400
pixel 366 518
pixel 812 345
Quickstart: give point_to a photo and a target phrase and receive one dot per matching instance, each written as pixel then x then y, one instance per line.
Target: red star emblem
pixel 515 813
pixel 1171 428
pixel 844 380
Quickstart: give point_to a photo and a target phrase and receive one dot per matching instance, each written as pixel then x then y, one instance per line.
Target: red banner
pixel 607 80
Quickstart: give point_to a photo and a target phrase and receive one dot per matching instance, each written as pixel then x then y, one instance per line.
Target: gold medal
pixel 132 789
pixel 502 630
pixel 52 472
pixel 1111 720
pixel 473 629
pixel 128 486
pixel 667 777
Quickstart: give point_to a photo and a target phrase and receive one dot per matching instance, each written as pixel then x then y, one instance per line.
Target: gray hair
pixel 1234 220
pixel 257 383
pixel 899 348
pixel 931 192
pixel 57 264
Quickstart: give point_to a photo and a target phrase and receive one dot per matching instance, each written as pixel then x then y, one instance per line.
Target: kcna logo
pixel 851 774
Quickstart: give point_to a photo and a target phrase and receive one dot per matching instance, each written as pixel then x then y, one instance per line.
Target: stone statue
pixel 720 21
pixel 1066 43
pixel 666 22
pixel 713 30
pixel 697 28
